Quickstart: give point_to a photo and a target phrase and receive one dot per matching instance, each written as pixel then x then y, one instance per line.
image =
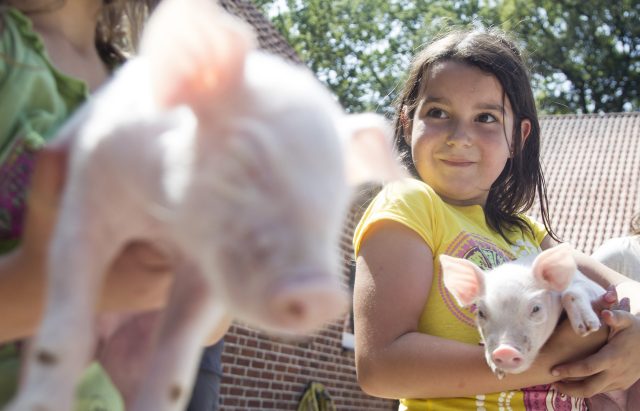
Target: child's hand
pixel 615 366
pixel 607 301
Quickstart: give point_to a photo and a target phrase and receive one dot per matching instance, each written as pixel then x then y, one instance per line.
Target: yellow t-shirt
pixel 459 231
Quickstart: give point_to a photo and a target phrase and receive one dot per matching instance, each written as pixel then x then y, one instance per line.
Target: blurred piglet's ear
pixel 369 153
pixel 196 52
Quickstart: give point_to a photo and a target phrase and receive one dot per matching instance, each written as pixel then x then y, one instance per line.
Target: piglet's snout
pixel 506 357
pixel 307 302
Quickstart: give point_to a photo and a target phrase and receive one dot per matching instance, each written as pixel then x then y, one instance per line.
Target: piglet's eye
pixel 481 314
pixel 535 309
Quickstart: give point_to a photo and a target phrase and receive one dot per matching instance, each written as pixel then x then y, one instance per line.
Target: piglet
pixel 233 161
pixel 518 303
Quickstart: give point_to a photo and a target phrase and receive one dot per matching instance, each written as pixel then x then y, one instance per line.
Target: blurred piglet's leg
pixel 189 317
pixel 65 342
pixel 125 353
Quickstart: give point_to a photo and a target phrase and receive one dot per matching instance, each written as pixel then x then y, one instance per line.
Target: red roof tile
pixel 592 170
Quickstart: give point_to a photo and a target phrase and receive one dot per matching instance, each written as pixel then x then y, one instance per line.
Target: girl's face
pixel 457 135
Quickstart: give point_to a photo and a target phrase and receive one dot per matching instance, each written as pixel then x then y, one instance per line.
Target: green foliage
pixel 583 53
pixel 586 53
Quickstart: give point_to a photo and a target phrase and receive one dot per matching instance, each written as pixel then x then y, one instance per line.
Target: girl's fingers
pixel 45 189
pixel 584 388
pixel 586 367
pixel 617 320
pixel 48 178
pixel 607 301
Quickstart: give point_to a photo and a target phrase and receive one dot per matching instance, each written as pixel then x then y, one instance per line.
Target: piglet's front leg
pixel 576 300
pixel 189 317
pixel 65 342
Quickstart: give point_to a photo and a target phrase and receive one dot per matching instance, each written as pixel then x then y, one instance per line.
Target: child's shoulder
pixel 412 194
pixel 409 187
pixel 406 197
pixel 11 17
pixel 16 33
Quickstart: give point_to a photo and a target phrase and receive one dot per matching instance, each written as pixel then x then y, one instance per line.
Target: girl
pixel 467 129
pixel 53 54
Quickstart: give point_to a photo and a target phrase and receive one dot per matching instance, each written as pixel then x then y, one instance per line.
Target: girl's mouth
pixel 457 162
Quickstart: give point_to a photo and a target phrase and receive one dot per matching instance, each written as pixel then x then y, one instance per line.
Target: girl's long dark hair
pixel 515 189
pixel 635 224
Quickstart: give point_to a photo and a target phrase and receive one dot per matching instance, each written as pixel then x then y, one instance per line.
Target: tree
pixel 344 43
pixel 584 54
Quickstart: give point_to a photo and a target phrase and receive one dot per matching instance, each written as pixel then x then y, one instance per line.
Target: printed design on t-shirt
pixel 484 253
pixel 521 248
pixel 15 172
pixel 542 397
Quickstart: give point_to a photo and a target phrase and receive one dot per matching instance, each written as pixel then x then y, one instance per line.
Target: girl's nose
pixel 459 137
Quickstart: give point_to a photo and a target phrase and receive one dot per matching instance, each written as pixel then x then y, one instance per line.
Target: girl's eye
pixel 486 118
pixel 436 113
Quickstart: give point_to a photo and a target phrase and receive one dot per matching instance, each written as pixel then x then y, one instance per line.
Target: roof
pixel 592 169
pixel 269 38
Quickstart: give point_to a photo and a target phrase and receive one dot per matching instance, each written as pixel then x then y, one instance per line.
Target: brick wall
pixel 264 373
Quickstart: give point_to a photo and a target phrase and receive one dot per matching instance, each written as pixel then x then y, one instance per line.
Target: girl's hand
pixel 615 366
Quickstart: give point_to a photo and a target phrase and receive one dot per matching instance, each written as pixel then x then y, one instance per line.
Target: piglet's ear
pixel 196 52
pixel 368 149
pixel 463 279
pixel 555 267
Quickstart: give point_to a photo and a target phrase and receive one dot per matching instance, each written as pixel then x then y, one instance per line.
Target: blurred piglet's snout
pixel 306 302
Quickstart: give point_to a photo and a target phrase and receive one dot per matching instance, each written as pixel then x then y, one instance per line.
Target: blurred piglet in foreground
pixel 237 163
pixel 519 303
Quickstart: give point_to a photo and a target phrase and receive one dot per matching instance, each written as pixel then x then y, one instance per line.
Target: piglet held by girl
pixel 518 303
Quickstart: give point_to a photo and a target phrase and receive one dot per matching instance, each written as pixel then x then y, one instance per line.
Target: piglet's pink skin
pixel 519 303
pixel 231 160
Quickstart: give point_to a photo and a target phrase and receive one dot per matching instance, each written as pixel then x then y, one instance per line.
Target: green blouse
pixel 35 99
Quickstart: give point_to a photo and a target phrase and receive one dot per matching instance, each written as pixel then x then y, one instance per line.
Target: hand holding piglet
pixel 612 370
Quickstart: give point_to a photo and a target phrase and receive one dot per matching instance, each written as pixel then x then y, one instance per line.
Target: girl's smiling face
pixel 461 133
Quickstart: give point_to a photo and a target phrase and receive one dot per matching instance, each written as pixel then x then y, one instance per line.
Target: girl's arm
pixel 393 277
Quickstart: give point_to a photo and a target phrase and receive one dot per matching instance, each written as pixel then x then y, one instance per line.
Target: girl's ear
pixel 405 121
pixel 525 131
